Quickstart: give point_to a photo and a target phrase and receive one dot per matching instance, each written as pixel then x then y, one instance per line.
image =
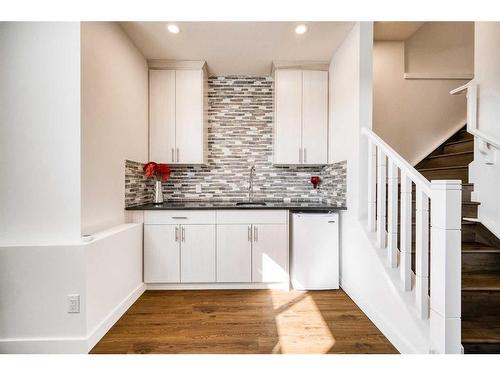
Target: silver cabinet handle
pixel 255 233
pixel 300 155
pixel 177 154
pixel 183 234
pixel 179 217
pixel 173 156
pixel 305 155
pixel 331 221
pixel 176 234
pixel 249 233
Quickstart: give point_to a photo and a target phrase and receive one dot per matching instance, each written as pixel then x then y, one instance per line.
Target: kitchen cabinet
pixel 179 253
pixel 197 243
pixel 269 253
pixel 209 246
pixel 234 253
pixel 161 254
pixel 178 116
pixel 252 246
pixel 301 117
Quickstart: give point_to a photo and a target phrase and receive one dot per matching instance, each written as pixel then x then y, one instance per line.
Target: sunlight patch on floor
pixel 300 325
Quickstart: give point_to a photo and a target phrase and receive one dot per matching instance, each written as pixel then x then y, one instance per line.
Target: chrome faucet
pixel 250 184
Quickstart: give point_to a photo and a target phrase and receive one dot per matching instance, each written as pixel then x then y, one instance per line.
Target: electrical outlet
pixel 73 303
pixel 198 188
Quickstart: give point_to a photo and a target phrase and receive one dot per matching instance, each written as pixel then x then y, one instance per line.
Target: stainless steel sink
pixel 251 203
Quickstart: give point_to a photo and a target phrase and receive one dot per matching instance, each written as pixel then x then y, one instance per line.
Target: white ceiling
pixel 238 47
pixel 395 30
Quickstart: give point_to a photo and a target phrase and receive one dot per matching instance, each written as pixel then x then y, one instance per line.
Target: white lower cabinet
pixel 179 253
pixel 270 253
pixel 247 246
pixel 197 253
pixel 234 253
pixel 161 254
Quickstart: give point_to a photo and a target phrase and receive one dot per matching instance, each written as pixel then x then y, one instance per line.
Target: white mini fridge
pixel 315 251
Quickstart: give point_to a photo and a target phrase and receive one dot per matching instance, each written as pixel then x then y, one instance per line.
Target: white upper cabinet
pixel 288 117
pixel 301 117
pixel 177 116
pixel 162 115
pixel 314 117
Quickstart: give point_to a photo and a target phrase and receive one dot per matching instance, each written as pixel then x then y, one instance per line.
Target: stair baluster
pixel 392 215
pixel 422 254
pixel 381 203
pixel 406 229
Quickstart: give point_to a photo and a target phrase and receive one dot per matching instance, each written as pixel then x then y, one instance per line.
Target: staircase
pixel 480 248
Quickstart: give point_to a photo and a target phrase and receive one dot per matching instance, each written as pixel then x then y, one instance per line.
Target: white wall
pixel 412 116
pixel 441 47
pixel 39 133
pixel 114 120
pixel 35 282
pixel 113 264
pixel 486 178
pixel 363 275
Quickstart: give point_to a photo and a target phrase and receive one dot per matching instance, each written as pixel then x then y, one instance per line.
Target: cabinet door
pixel 162 115
pixel 270 253
pixel 161 254
pixel 288 117
pixel 234 253
pixel 189 116
pixel 314 117
pixel 197 253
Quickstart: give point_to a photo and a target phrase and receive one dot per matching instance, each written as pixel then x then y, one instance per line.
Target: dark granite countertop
pixel 221 205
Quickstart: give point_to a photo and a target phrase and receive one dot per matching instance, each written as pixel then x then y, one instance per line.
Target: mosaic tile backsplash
pixel 240 131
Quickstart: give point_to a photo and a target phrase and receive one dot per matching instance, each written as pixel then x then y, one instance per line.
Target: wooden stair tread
pixel 478 247
pixel 457 142
pixel 450 154
pixel 442 168
pixel 485 330
pixel 483 281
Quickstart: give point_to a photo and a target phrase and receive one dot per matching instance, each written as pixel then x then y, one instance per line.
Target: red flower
pixel 159 171
pixel 150 169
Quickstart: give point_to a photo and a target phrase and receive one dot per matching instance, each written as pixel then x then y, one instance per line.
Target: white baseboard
pixel 52 345
pixel 71 345
pixel 383 324
pixel 108 322
pixel 206 286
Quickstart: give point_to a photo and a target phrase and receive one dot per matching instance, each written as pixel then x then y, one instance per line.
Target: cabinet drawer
pixel 252 216
pixel 179 217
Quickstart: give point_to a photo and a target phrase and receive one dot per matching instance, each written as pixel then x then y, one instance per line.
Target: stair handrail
pixel 399 161
pixel 470 90
pixel 387 170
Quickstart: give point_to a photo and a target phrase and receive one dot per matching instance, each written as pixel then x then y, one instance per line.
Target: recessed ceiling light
pixel 174 29
pixel 301 29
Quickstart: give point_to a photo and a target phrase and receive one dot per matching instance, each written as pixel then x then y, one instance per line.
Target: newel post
pixel 446 266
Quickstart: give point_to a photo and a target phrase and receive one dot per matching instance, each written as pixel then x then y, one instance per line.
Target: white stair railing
pixel 442 305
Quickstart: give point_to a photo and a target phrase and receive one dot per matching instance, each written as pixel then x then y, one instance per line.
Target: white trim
pixel 489 224
pixel 208 286
pixel 437 143
pixel 105 325
pixel 44 345
pixel 447 76
pixel 392 333
pixel 70 345
pixel 177 64
pixel 299 65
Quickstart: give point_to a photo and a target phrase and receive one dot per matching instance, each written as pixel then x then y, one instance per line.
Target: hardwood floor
pixel 250 321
